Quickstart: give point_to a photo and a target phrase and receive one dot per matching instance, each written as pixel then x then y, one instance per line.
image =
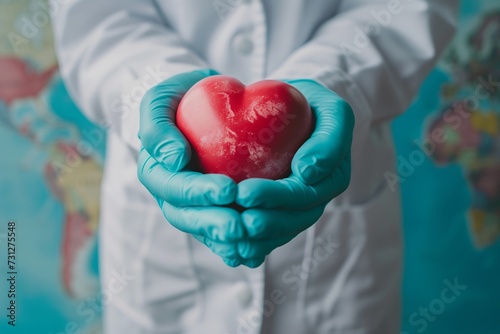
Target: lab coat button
pixel 243 44
pixel 243 293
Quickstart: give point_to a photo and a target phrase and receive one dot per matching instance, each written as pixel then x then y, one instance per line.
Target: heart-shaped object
pixel 244 131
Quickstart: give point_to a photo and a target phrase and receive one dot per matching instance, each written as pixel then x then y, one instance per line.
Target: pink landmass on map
pixel 18 80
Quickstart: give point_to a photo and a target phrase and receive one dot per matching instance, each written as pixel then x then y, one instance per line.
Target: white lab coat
pixel 340 276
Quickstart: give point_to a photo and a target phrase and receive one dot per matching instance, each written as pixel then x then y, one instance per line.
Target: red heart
pixel 244 132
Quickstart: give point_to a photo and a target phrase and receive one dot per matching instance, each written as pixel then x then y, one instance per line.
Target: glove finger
pixel 184 188
pixel 233 263
pixel 332 137
pixel 227 251
pixel 291 192
pixel 253 263
pixel 257 250
pixel 271 224
pixel 216 223
pixel 158 133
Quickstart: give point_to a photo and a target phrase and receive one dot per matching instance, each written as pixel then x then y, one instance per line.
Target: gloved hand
pixel 277 211
pixel 190 201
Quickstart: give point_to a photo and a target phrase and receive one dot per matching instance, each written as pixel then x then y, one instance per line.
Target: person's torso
pixel 245 38
pixel 311 283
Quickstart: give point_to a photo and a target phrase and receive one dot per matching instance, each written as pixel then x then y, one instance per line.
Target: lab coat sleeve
pixel 111 52
pixel 375 54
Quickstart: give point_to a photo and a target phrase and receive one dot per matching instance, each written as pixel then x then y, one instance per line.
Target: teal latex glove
pixel 277 211
pixel 191 202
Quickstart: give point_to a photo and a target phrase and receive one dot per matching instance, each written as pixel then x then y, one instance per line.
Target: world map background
pixel 51 167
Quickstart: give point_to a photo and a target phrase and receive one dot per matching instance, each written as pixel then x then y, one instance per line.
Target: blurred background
pixel 448 145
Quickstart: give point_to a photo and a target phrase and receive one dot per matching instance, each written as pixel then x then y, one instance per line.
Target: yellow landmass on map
pixel 26 32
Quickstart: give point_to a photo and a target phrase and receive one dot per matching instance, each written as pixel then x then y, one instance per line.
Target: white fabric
pixel 340 276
